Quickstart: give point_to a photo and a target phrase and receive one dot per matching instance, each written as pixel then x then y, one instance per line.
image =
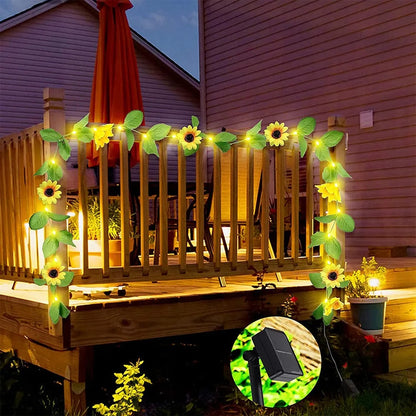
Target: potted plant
pixel 94 233
pixel 367 304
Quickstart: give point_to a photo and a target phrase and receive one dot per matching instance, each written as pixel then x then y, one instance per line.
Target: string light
pixel 317 142
pixel 248 138
pixel 119 128
pixel 210 138
pixel 144 136
pixel 74 132
pixel 53 161
pixel 70 214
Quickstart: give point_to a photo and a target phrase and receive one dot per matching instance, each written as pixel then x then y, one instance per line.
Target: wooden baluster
pixel 124 202
pixel 217 208
pixel 234 207
pixel 103 169
pixel 199 210
pixel 144 209
pixel 26 179
pixel 250 211
pixel 163 205
pixel 182 209
pixel 309 203
pixel 83 207
pixel 295 206
pixel 11 202
pixel 265 207
pixel 6 246
pixel 280 177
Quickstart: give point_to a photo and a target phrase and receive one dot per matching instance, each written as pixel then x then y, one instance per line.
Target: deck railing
pixel 253 179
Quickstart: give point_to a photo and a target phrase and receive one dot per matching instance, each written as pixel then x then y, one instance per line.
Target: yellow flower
pixel 276 134
pixel 189 137
pixel 332 304
pixel 329 190
pixel 48 192
pixel 332 275
pixel 102 134
pixel 53 273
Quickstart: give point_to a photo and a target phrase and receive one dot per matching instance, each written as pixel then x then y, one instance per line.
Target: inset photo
pixel 275 362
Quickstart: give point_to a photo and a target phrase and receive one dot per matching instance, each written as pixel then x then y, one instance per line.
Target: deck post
pixel 54 118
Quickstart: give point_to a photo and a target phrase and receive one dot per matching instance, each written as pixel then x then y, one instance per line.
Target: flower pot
pixel 369 313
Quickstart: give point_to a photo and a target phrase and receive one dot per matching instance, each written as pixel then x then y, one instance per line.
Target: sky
pixel 170 25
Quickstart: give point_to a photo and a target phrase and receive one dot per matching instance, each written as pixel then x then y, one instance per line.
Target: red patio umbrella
pixel 116 85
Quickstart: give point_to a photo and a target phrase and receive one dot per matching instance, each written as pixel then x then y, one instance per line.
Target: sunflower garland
pixel 189 138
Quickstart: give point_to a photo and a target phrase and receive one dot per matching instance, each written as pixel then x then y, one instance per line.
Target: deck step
pixel 401 339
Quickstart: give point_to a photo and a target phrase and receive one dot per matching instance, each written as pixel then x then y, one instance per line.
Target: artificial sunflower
pixel 333 304
pixel 276 134
pixel 48 192
pixel 189 137
pixel 332 275
pixel 330 190
pixel 53 273
pixel 102 134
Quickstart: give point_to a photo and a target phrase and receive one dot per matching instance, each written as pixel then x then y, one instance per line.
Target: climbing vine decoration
pixel 190 138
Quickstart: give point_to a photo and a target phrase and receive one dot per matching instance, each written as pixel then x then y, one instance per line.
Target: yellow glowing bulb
pixel 53 161
pixel 56 298
pixel 56 259
pixel 71 214
pixel 333 164
pixel 336 184
pixel 328 262
pixel 326 300
pixel 46 209
pixel 74 132
pixel 94 128
pixel 144 136
pixel 295 132
pixel 328 235
pixel 119 128
pixel 338 210
pixel 174 136
pixel 317 142
pixel 248 138
pixel 53 232
pixel 210 138
pixel 373 282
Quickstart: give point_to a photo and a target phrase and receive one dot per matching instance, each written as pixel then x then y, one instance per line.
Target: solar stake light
pixel 279 360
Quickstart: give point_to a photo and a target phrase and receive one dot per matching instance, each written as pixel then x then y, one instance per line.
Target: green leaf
pixel 318 313
pixel 55 172
pixel 303 145
pixel 322 153
pixel 38 220
pixel 195 121
pixel 43 169
pixel 318 238
pixel 333 248
pixel 326 219
pixel 258 141
pixel 133 119
pixel 306 126
pixel 66 281
pixel 39 282
pixel 149 146
pixel 82 123
pixel 50 135
pixel 54 310
pixel 130 138
pixel 332 138
pixel 50 246
pixel 65 237
pixel 316 280
pixel 85 134
pixel 345 223
pixel 328 318
pixel 344 284
pixel 328 291
pixel 341 171
pixel 224 147
pixel 255 129
pixel 189 152
pixel 57 217
pixel 63 310
pixel 225 137
pixel 158 131
pixel 329 174
pixel 64 149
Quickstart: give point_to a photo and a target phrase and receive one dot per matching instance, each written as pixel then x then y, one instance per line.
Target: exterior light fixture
pixel 279 360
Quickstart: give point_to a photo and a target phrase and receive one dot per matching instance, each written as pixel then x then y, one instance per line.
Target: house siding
pixel 284 60
pixel 57 49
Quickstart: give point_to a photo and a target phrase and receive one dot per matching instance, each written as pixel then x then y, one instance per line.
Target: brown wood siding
pixel 283 60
